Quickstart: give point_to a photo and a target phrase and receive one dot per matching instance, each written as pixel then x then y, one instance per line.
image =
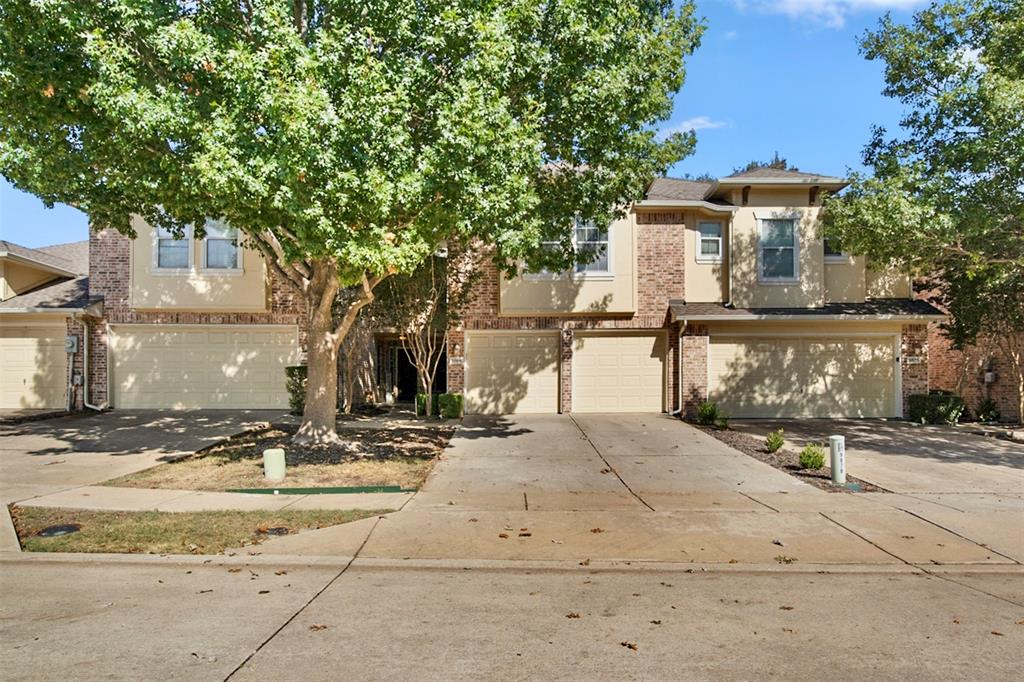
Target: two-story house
pixel 719 291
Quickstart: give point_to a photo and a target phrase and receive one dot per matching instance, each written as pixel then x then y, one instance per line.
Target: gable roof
pixel 59 257
pixel 70 289
pixel 74 253
pixel 681 190
pixel 774 173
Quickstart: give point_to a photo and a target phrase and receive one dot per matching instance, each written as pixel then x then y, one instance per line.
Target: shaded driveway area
pixel 42 457
pixel 650 488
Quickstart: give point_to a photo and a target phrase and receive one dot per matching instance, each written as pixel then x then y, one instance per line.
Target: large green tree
pixel 347 140
pixel 945 200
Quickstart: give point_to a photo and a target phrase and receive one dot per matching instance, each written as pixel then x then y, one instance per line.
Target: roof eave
pixel 685 203
pixel 825 180
pixel 39 265
pixel 832 316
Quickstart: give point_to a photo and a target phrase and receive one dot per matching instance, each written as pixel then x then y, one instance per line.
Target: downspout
pixel 728 264
pixel 679 411
pixel 85 370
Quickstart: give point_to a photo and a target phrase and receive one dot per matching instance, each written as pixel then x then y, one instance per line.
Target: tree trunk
pixel 318 419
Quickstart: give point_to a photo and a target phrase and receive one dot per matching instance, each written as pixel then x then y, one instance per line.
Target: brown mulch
pixel 786 460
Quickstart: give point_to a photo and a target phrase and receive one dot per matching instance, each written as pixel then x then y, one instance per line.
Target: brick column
pixel 913 361
pixel 695 369
pixel 456 361
pixel 565 371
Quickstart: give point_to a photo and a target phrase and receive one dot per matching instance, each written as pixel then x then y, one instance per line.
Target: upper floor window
pixel 590 240
pixel 833 251
pixel 173 253
pixel 709 242
pixel 220 247
pixel 778 250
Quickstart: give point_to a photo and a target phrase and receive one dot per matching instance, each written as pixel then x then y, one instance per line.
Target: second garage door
pixel 618 372
pixel 165 366
pixel 33 365
pixel 802 376
pixel 509 372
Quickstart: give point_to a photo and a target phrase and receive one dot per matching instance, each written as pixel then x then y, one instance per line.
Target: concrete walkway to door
pixel 631 488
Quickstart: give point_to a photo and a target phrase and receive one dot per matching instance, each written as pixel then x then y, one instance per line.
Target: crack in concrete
pixel 609 464
pixel 302 608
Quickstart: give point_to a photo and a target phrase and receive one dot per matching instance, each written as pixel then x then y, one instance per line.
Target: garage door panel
pixel 618 372
pixel 512 372
pixel 802 376
pixel 175 367
pixel 33 366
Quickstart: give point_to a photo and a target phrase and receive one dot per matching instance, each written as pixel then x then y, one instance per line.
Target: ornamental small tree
pixel 347 140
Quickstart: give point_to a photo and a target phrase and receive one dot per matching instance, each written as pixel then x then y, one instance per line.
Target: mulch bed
pixel 786 460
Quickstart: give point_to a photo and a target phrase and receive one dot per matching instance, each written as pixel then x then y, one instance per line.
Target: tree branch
pixel 287 273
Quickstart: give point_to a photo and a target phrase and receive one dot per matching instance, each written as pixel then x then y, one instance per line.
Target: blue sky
pixel 771 75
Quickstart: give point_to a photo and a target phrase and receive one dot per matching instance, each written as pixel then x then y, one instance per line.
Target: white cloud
pixel 831 13
pixel 695 123
pixel 730 35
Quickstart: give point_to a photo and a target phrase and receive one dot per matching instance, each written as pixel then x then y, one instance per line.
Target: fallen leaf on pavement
pixel 56 461
pixel 572 614
pixel 280 572
pixel 585 562
pixel 655 622
pixel 317 627
pixel 526 535
pixel 778 542
pixel 597 530
pixel 204 591
pixel 234 570
pixel 503 536
pixel 996 632
pixel 786 608
pixel 629 645
pixel 264 592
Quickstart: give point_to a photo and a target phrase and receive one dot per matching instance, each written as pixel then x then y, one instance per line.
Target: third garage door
pixel 618 372
pixel 761 376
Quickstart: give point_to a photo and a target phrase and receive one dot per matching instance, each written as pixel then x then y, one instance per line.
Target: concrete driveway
pixel 646 488
pixel 42 457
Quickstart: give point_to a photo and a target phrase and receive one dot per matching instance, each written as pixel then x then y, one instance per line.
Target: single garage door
pixel 201 367
pixel 511 372
pixel 830 377
pixel 618 372
pixel 33 366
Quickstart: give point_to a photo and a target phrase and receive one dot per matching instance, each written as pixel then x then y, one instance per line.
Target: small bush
pixel 450 405
pixel 988 411
pixel 296 377
pixel 812 457
pixel 936 407
pixel 421 405
pixel 722 423
pixel 708 414
pixel 774 440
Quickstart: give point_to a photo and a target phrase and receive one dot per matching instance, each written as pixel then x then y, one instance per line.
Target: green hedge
pixel 421 405
pixel 447 405
pixel 296 383
pixel 936 407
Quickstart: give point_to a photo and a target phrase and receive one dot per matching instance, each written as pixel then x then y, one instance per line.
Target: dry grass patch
pixel 152 532
pixel 375 457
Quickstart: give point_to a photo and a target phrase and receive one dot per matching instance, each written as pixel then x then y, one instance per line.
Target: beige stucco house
pixel 704 290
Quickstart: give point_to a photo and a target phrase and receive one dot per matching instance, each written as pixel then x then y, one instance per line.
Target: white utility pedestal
pixel 837 451
pixel 273 464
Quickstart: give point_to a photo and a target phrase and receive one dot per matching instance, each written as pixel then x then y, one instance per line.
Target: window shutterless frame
pixel 778 247
pixel 831 253
pixel 585 236
pixel 709 242
pixel 222 248
pixel 172 256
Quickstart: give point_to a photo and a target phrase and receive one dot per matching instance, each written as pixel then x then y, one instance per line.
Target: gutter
pixel 85 371
pixel 685 203
pixel 679 412
pixel 66 312
pixel 862 318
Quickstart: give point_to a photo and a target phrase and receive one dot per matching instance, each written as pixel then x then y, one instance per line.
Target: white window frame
pixel 593 274
pixel 237 270
pixel 187 237
pixel 571 272
pixel 841 257
pixel 701 257
pixel 761 224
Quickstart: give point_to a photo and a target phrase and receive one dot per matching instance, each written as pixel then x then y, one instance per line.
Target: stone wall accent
pixel 695 368
pixel 914 361
pixel 566 341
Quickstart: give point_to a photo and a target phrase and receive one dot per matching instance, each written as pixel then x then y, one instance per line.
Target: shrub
pixel 450 405
pixel 988 411
pixel 296 383
pixel 708 414
pixel 421 405
pixel 722 423
pixel 812 457
pixel 774 440
pixel 936 407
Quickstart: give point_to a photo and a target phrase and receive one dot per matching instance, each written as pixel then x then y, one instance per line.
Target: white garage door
pixel 803 376
pixel 201 367
pixel 511 372
pixel 33 366
pixel 618 373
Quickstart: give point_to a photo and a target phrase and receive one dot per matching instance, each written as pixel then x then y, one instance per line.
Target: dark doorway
pixel 407 378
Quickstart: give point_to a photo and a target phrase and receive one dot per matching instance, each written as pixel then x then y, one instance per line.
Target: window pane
pixel 218 229
pixel 778 233
pixel 600 262
pixel 221 253
pixel 832 248
pixel 709 247
pixel 710 230
pixel 172 253
pixel 778 263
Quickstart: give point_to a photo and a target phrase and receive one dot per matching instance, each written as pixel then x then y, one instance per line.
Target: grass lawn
pixel 374 456
pixel 152 532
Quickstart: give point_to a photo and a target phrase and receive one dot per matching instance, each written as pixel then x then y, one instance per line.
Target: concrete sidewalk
pixel 107 498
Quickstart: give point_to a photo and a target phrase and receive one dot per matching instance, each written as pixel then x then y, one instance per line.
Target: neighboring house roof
pixel 675 189
pixel 772 173
pixel 70 290
pixel 883 307
pixel 60 259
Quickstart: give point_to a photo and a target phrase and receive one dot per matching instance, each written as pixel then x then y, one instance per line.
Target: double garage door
pixel 805 376
pixel 33 365
pixel 518 372
pixel 185 367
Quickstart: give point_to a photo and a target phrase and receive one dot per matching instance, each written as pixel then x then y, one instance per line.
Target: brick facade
pixel 110 278
pixel 913 361
pixel 659 274
pixel 695 368
pixel 963 372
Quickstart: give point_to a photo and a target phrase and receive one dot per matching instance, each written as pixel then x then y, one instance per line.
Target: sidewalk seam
pixel 608 464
